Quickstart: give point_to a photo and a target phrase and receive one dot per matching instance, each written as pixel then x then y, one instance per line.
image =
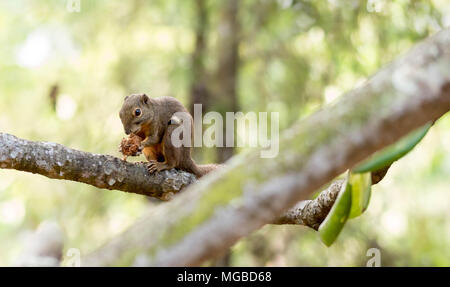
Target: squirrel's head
pixel 136 110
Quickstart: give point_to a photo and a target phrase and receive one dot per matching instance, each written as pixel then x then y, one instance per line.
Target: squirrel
pixel 153 120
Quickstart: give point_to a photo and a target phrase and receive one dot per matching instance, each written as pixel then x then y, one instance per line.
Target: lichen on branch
pixel 103 171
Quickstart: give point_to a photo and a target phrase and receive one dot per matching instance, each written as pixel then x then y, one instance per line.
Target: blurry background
pixel 64 74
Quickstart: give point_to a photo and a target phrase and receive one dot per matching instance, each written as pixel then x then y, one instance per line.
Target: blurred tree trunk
pixel 225 95
pixel 222 97
pixel 199 91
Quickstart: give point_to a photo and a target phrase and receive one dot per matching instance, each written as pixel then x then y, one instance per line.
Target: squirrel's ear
pixel 126 98
pixel 144 99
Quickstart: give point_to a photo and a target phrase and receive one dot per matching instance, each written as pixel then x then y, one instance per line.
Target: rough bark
pixel 57 161
pixel 251 191
pixel 22 155
pixel 311 213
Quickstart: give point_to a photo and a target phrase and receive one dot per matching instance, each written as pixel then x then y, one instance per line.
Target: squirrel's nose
pixel 127 131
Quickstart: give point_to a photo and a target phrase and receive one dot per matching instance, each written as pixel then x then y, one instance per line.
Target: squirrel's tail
pixel 201 169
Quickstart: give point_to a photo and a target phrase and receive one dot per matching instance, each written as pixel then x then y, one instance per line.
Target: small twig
pixel 311 213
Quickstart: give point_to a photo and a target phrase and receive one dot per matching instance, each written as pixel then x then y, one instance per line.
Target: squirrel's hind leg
pixel 170 156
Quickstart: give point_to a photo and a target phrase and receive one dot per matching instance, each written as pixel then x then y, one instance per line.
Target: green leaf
pixel 338 215
pixel 360 184
pixel 388 155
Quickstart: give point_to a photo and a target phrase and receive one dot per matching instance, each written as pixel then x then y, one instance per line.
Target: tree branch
pixel 251 191
pixel 311 213
pixel 57 161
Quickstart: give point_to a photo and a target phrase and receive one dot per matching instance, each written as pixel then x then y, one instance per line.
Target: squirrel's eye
pixel 137 112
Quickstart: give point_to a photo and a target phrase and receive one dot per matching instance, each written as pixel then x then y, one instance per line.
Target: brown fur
pixel 154 128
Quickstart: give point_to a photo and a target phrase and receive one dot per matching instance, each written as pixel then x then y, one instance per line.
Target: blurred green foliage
pixel 295 56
